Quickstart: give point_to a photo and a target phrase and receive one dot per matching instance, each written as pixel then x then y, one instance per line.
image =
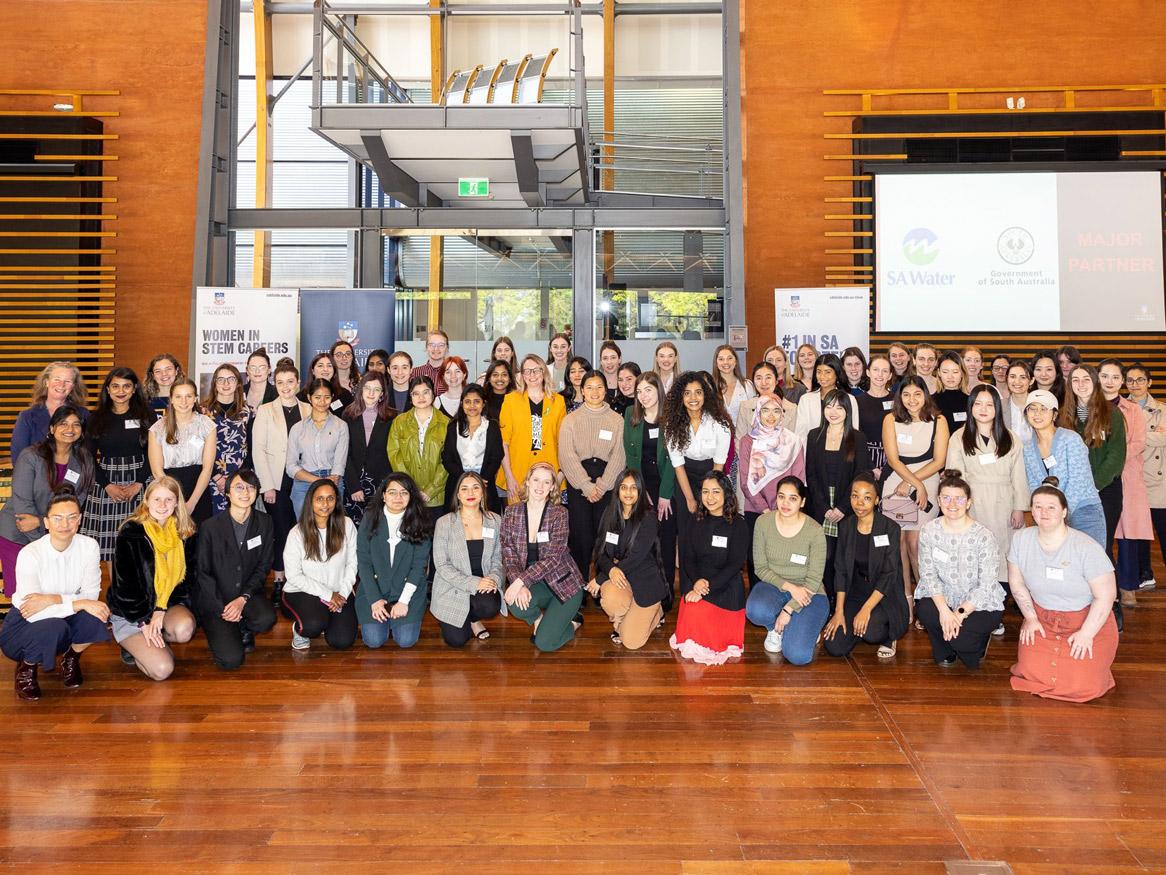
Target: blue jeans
pixel 801 634
pixel 1090 519
pixel 299 491
pixel 376 634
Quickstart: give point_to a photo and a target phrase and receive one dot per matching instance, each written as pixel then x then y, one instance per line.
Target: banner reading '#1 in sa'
pixel 828 319
pixel 230 324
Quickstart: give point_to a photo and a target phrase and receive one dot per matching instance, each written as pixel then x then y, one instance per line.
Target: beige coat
pixel 998 488
pixel 269 442
pixel 1154 455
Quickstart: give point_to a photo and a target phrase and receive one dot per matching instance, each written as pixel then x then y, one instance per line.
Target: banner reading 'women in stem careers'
pixel 828 319
pixel 361 317
pixel 230 324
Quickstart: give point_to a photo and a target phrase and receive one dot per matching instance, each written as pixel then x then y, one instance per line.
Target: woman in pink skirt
pixel 1063 582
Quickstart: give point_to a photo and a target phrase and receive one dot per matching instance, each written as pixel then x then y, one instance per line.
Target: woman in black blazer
pixel 870 604
pixel 629 581
pixel 472 443
pixel 235 551
pixel 835 452
pixel 369 417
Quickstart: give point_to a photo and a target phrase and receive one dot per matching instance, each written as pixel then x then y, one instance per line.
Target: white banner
pixel 829 319
pixel 230 324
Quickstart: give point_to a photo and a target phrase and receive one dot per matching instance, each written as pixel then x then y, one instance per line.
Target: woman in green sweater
pixel 789 557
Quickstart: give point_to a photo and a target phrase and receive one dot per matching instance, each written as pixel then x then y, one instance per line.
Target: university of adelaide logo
pixel 220 298
pixel 347 332
pixel 920 246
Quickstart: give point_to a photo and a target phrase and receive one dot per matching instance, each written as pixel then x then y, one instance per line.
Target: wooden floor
pixel 498 759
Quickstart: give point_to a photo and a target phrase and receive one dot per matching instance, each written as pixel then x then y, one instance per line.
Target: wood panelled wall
pixel 791 53
pixel 152 51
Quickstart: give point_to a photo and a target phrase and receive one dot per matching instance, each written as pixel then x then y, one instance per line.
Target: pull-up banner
pixel 230 324
pixel 830 320
pixel 361 317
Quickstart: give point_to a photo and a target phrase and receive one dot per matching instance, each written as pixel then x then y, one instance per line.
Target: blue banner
pixel 362 317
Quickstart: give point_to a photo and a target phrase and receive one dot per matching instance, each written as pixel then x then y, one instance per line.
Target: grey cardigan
pixel 30 494
pixel 453 582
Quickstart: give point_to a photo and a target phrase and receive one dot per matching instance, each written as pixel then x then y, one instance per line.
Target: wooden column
pixel 261 259
pixel 436 82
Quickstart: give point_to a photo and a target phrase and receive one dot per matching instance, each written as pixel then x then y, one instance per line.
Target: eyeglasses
pixel 957 500
pixel 224 381
pixel 60 519
pixel 341 355
pixel 438 345
pixel 397 493
pixel 1137 381
pixel 532 370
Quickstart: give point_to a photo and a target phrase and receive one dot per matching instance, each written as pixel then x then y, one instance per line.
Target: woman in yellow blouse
pixel 529 421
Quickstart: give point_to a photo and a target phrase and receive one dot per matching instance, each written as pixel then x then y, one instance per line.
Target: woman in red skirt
pixel 1063 583
pixel 710 627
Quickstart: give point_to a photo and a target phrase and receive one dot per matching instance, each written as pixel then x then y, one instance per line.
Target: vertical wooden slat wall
pixel 853 150
pixel 58 218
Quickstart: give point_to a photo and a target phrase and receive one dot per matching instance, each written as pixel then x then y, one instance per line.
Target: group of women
pixel 861 495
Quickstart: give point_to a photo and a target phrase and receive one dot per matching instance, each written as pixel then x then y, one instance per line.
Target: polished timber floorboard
pixel 498 759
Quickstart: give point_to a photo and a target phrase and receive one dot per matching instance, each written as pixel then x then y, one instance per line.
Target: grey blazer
pixel 30 494
pixel 453 582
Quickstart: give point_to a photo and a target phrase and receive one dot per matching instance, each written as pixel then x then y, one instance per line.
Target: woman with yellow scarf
pixel 150 590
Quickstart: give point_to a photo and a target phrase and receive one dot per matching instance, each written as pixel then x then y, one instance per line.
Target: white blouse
pixel 191 439
pixel 472 449
pixel 72 573
pixel 321 579
pixel 711 440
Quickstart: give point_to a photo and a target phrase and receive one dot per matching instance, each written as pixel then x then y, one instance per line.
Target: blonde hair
pixel 531 357
pixel 676 369
pixel 799 374
pixel 186 526
pixel 78 395
pixel 541 465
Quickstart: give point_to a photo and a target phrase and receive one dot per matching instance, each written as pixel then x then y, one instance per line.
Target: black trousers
pixel 283 520
pixel 969 645
pixel 583 517
pixel 695 471
pixel 312 617
pixel 226 639
pixel 878 630
pixel 483 606
pixel 1158 516
pixel 666 536
pixel 1111 500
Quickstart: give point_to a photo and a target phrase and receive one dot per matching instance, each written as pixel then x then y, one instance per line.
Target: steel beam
pixel 467 220
pixel 734 198
pixel 525 168
pixel 397 184
pixel 583 286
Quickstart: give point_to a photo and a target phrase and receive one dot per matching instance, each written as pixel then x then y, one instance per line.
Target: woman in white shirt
pixel 729 380
pixel 698 434
pixel 320 563
pixel 1019 384
pixel 456 373
pixel 182 445
pixel 56 607
pixel 828 374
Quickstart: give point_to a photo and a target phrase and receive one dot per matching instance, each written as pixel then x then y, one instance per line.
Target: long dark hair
pixel 237 409
pixel 930 409
pixel 833 363
pixel 863 381
pixel 1001 436
pixel 353 370
pixel 1096 430
pixel 460 418
pixel 416 525
pixel 612 519
pixel 840 397
pixel 311 377
pixel 568 392
pixel 139 409
pixel 674 416
pixel 638 412
pixel 357 407
pixel 1059 385
pixel 334 537
pixel 47 447
pixel 723 481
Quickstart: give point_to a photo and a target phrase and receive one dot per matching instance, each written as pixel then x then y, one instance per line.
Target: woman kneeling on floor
pixel 870 604
pixel 1064 585
pixel 56 609
pixel 628 579
pixel 789 556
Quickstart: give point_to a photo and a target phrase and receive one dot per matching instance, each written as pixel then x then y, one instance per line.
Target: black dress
pixel 953 404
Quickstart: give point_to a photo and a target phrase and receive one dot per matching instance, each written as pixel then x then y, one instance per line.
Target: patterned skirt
pixel 355 509
pixel 104 516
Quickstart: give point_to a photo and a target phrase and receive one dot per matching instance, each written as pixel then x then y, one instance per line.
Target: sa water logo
pixel 920 246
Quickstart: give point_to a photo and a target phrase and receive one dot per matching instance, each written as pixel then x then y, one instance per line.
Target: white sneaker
pixel 1148 584
pixel 300 642
pixel 999 630
pixel 773 641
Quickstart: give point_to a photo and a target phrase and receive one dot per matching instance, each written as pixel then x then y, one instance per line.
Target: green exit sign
pixel 473 187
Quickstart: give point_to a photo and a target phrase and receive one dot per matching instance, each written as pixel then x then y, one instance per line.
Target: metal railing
pixel 695 164
pixel 357 69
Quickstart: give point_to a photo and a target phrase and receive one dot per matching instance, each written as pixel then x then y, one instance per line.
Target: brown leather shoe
pixel 71 670
pixel 26 686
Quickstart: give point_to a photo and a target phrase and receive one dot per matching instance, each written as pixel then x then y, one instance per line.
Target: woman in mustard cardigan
pixel 530 422
pixel 415 441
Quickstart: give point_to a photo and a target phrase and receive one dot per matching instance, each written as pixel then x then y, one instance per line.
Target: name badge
pixel 1054 573
pixel 887 405
pixel 797 559
pixel 720 540
pixel 941 555
pixel 987 458
pixel 962 416
pixel 252 543
pixel 653 432
pixel 72 476
pixel 604 434
pixel 132 423
pixel 1049 461
pixel 612 538
pixel 543 537
pixel 904 439
pixel 882 540
pixel 336 405
pixel 488 533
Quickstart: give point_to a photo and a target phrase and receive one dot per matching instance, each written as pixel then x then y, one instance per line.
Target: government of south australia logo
pixel 920 246
pixel 1015 245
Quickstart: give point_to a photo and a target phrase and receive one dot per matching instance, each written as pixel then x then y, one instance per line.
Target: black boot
pixel 248 641
pixel 71 677
pixel 26 686
pixel 277 597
